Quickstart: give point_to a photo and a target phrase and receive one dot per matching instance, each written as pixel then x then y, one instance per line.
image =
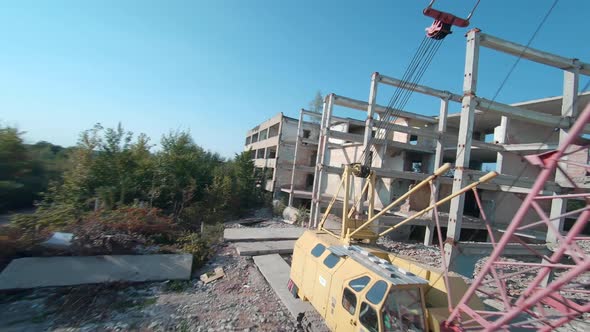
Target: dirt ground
pixel 240 301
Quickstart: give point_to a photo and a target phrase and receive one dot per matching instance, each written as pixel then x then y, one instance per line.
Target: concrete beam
pixel 511 249
pixel 404 146
pixel 529 147
pixel 533 54
pixel 362 106
pixel 33 272
pixel 262 234
pixel 523 114
pixel 276 271
pixel 421 89
pixel 265 247
pixel 435 135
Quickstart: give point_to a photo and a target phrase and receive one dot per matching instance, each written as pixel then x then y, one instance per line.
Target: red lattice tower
pixel 557 292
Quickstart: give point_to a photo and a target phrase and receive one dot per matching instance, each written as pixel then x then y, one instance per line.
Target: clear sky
pixel 220 67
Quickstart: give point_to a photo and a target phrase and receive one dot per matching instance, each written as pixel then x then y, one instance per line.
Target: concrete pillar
pixel 463 145
pixel 501 138
pixel 297 140
pixel 569 109
pixel 322 157
pixel 368 133
pixel 438 160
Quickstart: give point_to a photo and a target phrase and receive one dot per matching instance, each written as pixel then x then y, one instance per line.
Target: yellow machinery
pixel 358 287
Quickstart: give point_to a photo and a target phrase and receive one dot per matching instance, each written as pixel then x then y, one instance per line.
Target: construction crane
pixel 356 286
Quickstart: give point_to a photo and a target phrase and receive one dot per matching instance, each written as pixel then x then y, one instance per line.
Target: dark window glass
pixel 349 301
pixel 318 250
pixel 368 317
pixel 359 284
pixel 331 260
pixel 376 293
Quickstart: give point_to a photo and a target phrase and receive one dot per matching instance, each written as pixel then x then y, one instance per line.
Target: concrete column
pixel 569 109
pixel 277 157
pixel 322 157
pixel 297 139
pixel 501 138
pixel 463 145
pixel 368 132
pixel 438 159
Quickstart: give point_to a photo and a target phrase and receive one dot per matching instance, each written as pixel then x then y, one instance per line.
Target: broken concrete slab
pixel 34 272
pixel 262 234
pixel 276 271
pixel 265 247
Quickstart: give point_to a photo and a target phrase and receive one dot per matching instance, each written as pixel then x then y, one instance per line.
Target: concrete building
pixel 273 144
pixel 403 150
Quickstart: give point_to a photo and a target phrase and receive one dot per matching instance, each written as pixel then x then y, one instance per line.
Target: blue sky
pixel 219 67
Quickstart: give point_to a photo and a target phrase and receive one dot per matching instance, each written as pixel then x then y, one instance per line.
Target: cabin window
pixel 368 317
pixel 377 292
pixel 318 250
pixel 331 260
pixel 359 284
pixel 349 301
pixel 402 310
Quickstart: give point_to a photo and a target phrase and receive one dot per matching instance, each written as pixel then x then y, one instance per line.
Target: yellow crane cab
pixel 356 286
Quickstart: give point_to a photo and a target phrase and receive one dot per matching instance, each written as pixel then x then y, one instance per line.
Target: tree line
pixel 111 169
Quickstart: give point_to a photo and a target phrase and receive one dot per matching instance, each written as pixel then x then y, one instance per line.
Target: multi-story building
pixel 273 143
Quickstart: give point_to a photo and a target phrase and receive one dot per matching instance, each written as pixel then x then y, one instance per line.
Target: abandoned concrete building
pixel 486 135
pixel 273 144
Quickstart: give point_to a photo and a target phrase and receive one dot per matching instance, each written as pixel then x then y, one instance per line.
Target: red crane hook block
pixel 443 21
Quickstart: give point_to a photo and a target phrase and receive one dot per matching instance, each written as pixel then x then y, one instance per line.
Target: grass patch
pixel 177 286
pixel 134 304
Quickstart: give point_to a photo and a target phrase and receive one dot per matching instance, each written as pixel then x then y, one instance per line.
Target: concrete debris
pixel 265 247
pixel 262 234
pixel 212 276
pixel 59 240
pixel 276 271
pixel 290 214
pixel 32 272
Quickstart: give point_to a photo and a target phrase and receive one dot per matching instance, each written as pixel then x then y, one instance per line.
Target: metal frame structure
pixel 543 304
pixel 545 299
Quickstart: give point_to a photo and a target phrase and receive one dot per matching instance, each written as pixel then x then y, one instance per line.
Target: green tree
pixel 316 105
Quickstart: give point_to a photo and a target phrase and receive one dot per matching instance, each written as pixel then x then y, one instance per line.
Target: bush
pixel 196 245
pixel 277 208
pixel 302 216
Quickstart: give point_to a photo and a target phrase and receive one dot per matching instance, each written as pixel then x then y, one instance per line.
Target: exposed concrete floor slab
pixel 262 234
pixel 276 271
pixel 34 272
pixel 265 247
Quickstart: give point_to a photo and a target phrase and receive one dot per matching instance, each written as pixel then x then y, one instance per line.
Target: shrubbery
pixel 114 184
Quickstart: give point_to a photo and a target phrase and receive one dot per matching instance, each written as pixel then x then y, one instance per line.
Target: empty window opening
pixel 413 140
pixel 271 152
pixel 306 133
pixel 273 130
pixel 309 181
